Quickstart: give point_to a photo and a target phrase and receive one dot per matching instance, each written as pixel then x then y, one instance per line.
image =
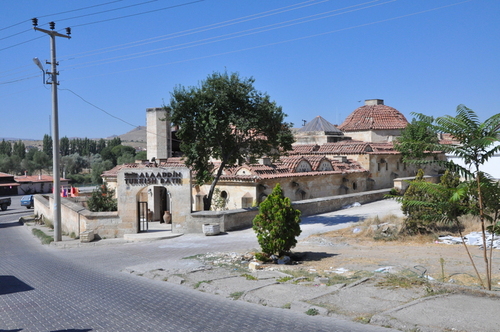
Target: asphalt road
pixel 45 288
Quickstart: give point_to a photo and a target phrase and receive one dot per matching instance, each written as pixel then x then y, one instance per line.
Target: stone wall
pixel 76 219
pixel 242 218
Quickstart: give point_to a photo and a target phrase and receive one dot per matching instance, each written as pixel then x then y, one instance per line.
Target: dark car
pixel 4 203
pixel 27 201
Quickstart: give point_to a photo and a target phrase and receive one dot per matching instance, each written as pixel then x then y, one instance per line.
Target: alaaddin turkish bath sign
pixel 151 178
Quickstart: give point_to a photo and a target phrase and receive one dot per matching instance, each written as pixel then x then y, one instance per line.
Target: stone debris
pixel 355 204
pixel 473 239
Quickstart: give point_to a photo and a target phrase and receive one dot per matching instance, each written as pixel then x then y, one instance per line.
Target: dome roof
pixel 374 115
pixel 320 124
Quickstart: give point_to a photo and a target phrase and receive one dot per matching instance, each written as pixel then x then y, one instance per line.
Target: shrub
pixel 277 224
pixel 102 200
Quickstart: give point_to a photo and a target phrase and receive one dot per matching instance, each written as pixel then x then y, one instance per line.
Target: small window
pixel 354 185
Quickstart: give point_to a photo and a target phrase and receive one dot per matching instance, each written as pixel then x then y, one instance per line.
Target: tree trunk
pixel 207 203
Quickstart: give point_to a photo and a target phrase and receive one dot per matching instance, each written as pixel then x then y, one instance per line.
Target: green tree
pixel 114 142
pixel 41 160
pixel 478 142
pixel 5 148
pixel 19 149
pixel 277 225
pixel 47 145
pixel 227 119
pixel 417 140
pixel 141 155
pixel 98 167
pixel 64 146
pixel 102 200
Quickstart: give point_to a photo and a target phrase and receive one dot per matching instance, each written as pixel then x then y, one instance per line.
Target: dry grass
pixel 391 227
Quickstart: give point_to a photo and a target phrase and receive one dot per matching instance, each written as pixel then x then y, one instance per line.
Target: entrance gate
pixel 142 217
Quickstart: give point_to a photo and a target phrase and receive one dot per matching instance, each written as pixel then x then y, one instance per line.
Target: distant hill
pixel 137 134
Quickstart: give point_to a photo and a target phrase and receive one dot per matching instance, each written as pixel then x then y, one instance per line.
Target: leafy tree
pixel 64 146
pixel 141 155
pixel 102 200
pixel 277 224
pixel 47 145
pixel 417 140
pixel 41 160
pixel 478 142
pixel 114 142
pixel 101 144
pixel 98 167
pixel 19 149
pixel 73 163
pixel 227 119
pixel 5 148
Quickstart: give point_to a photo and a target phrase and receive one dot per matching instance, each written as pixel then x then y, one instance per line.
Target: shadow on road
pixel 333 220
pixel 10 284
pixel 9 224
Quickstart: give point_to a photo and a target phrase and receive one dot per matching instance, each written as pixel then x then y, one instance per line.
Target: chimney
pixel 369 102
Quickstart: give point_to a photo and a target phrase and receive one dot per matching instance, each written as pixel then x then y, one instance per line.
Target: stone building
pixel 374 122
pixel 326 160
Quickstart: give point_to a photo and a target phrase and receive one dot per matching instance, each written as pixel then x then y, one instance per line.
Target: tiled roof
pixel 35 178
pixel 448 139
pixel 374 117
pixel 345 147
pixel 304 148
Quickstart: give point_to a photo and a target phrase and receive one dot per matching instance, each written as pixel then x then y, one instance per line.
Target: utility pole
pixel 55 126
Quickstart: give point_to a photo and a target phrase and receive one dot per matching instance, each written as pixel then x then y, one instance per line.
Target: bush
pixel 277 224
pixel 102 200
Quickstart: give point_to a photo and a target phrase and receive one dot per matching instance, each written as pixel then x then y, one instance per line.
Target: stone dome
pixel 374 115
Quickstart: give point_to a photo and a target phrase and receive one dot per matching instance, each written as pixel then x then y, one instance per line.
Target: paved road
pixel 85 289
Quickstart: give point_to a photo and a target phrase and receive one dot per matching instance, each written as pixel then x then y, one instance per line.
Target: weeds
pixel 236 295
pixel 198 284
pixel 393 281
pixel 249 276
pixel 312 312
pixel 46 239
pixel 284 279
pixel 363 319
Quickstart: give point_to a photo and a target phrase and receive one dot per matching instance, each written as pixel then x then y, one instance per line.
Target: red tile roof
pixel 374 117
pixel 345 147
pixel 35 178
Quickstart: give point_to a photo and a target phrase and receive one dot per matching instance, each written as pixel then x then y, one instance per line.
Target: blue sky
pixel 313 58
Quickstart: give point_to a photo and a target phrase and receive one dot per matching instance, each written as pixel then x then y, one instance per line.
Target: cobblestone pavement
pixel 44 288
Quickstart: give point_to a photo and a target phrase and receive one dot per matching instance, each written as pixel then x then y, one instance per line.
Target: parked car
pixel 27 201
pixel 4 203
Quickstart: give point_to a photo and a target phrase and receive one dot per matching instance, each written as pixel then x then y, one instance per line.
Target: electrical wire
pixel 196 30
pixel 104 111
pixel 137 14
pixel 229 36
pixel 277 43
pixel 111 19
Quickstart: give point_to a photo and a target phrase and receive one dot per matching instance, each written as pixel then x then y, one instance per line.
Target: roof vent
pixel 374 102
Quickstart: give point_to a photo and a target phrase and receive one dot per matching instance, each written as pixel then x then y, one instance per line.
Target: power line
pixel 196 30
pixel 275 43
pixel 68 11
pixel 142 13
pixel 104 111
pixel 229 36
pixel 111 19
pixel 106 11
